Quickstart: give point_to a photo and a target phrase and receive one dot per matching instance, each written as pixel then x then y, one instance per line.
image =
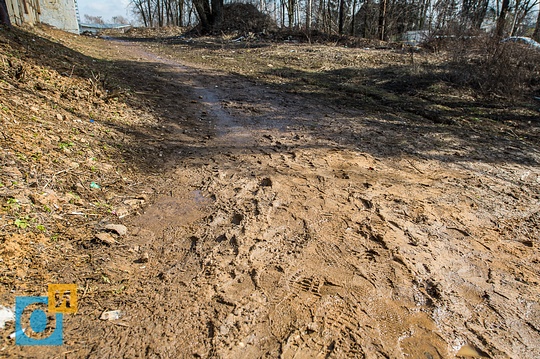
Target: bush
pixel 244 18
pixel 490 67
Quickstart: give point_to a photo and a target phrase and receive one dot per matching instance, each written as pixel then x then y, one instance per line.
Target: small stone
pixel 314 327
pixel 118 228
pixel 111 315
pixel 223 330
pixel 59 117
pixel 122 212
pixel 106 238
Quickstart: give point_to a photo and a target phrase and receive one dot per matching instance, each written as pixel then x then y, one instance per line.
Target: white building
pixel 61 14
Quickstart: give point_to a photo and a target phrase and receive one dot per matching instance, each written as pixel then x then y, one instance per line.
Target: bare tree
pixel 149 12
pixel 309 9
pixel 341 16
pixel 120 20
pixel 473 13
pixel 501 21
pixel 536 33
pixel 522 9
pixel 140 10
pixel 352 28
pixel 93 19
pixel 210 14
pixel 290 5
pixel 382 19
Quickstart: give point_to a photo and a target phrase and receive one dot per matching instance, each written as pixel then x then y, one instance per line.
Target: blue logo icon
pixel 33 333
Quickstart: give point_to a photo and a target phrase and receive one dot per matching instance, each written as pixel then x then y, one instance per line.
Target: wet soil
pixel 286 225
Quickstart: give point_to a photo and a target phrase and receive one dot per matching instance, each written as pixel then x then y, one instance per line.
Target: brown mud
pixel 286 226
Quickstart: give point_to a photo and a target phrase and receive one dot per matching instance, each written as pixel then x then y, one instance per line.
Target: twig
pixel 57 173
pixel 86 288
pixel 122 324
pixel 82 214
pixel 70 351
pixel 413 166
pixel 462 231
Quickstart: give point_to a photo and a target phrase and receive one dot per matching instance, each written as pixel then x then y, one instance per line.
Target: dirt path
pixel 295 229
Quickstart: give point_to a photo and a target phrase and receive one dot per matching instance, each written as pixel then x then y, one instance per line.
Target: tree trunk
pixel 297 14
pixel 366 6
pixel 473 13
pixel 143 14
pixel 180 13
pixel 140 9
pixel 514 21
pixel 290 13
pixel 217 14
pixel 353 22
pixel 329 17
pixel 341 16
pixel 168 13
pixel 158 13
pixel 308 15
pixel 501 21
pixel 421 17
pixel 382 19
pixel 536 33
pixel 481 14
pixel 320 15
pixel 210 15
pixel 203 9
pixel 149 5
pixel 190 14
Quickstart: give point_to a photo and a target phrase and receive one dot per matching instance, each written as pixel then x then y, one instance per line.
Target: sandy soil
pixel 285 226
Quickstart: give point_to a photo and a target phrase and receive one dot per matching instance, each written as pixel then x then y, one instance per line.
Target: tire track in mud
pixel 305 248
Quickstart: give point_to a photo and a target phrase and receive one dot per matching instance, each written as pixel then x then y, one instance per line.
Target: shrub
pixel 489 66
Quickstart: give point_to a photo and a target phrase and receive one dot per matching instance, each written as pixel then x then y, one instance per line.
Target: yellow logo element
pixel 62 298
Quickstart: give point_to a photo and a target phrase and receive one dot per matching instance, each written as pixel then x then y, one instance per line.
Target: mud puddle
pixel 176 209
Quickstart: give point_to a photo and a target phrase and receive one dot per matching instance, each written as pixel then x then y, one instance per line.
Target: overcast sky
pixel 104 8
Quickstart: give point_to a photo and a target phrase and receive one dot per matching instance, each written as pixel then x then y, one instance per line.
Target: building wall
pixel 23 11
pixel 61 14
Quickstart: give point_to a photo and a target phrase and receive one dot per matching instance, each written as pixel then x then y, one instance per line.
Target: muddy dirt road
pixel 293 228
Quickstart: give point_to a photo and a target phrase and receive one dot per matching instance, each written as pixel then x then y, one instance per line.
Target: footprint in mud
pixel 304 344
pixel 266 182
pixel 237 219
pixel 310 285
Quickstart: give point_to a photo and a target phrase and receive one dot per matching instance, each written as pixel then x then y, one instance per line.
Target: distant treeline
pixel 382 19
